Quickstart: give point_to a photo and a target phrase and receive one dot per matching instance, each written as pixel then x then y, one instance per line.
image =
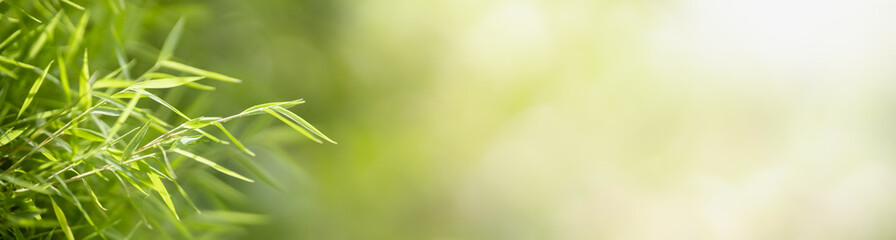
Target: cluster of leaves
pixel 79 156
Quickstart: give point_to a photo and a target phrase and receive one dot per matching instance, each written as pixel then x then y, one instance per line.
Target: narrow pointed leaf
pixel 9 136
pixel 293 125
pixel 159 186
pixel 171 41
pixel 112 83
pixel 135 141
pixel 60 216
pixel 214 165
pixel 302 122
pixel 237 142
pixel 160 101
pixel 165 82
pixel 186 197
pixel 92 194
pixel 75 5
pixel 34 89
pixel 188 69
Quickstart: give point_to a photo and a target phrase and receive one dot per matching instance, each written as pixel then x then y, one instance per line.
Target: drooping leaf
pixel 33 90
pixel 165 82
pixel 293 125
pixel 302 122
pixel 60 216
pixel 232 138
pixel 188 69
pixel 214 165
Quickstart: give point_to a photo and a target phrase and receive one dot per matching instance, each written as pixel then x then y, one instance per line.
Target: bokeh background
pixel 560 119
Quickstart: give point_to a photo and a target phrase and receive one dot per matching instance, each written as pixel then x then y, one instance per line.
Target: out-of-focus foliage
pixel 94 142
pixel 568 119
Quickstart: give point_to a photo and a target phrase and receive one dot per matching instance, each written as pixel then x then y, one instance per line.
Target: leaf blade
pixel 33 91
pixel 60 216
pixel 214 165
pixel 188 69
pixel 232 138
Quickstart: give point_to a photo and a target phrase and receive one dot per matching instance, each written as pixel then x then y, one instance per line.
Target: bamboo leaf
pixel 293 125
pixel 84 83
pixel 302 122
pixel 135 141
pixel 60 216
pixel 112 83
pixel 258 107
pixel 46 34
pixel 214 165
pixel 186 197
pixel 33 90
pixel 159 186
pixel 171 41
pixel 75 5
pixel 74 41
pixel 200 122
pixel 24 184
pixel 237 142
pixel 92 195
pixel 10 135
pixel 17 63
pixel 165 82
pixel 160 101
pixel 188 69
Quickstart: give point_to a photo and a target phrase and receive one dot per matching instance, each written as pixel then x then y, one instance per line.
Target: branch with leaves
pixel 59 127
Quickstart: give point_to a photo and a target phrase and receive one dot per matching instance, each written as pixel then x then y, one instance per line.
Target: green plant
pixel 81 153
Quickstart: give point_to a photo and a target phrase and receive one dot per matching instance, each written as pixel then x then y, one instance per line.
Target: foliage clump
pixel 82 155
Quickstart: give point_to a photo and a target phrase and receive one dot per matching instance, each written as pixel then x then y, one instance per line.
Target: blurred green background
pixel 527 119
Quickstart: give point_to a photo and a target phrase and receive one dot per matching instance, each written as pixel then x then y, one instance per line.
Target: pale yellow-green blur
pixel 516 119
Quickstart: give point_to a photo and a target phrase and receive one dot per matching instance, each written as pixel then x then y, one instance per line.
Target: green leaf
pixel 253 167
pixel 209 136
pixel 25 184
pixel 212 164
pixel 258 107
pixel 124 115
pixel 199 86
pixel 17 63
pixel 135 141
pixel 186 197
pixel 293 125
pixel 74 41
pixel 75 5
pixel 63 76
pixel 10 39
pixel 10 135
pixel 237 142
pixel 165 82
pixel 200 122
pixel 93 195
pixel 112 83
pixel 46 34
pixel 62 221
pixel 171 41
pixel 160 101
pixel 74 199
pixel 159 186
pixel 33 90
pixel 302 122
pixel 188 69
pixel 84 83
pixel 8 72
pixel 88 134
